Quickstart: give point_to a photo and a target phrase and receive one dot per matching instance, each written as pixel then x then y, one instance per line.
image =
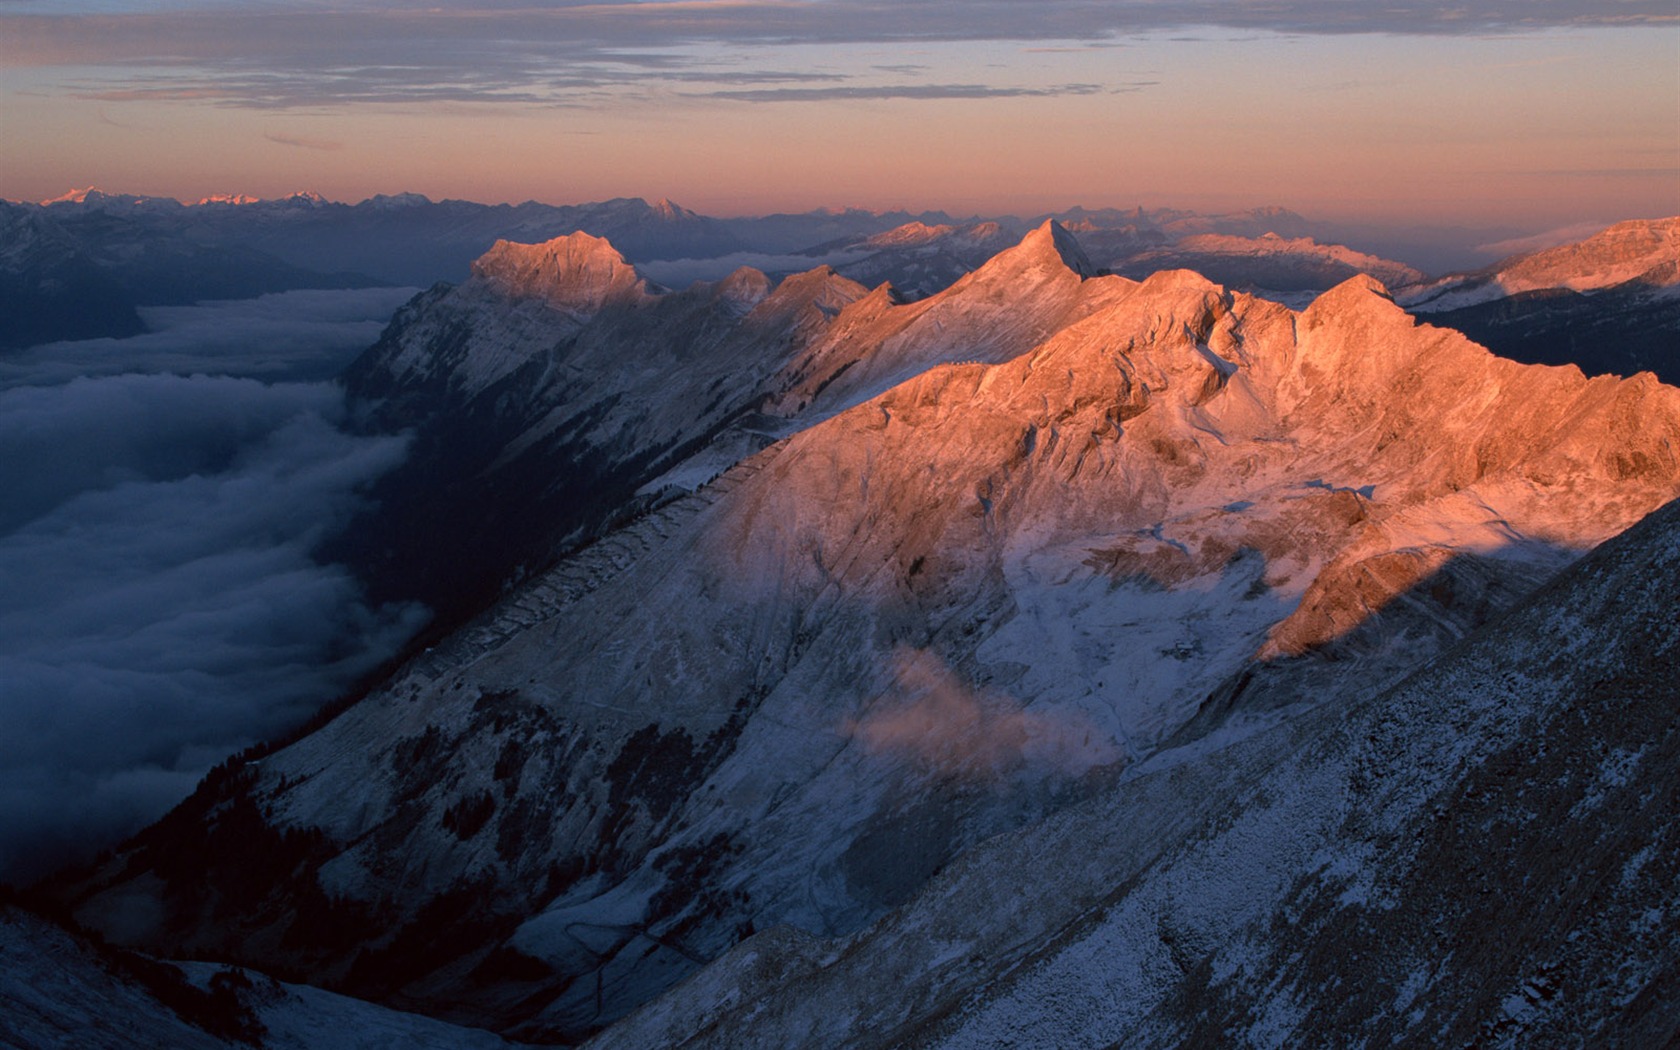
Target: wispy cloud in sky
pixel 749 105
pixel 304 142
pixel 915 91
pixel 269 56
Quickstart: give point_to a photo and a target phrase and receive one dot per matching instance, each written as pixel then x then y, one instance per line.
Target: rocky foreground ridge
pixel 1046 554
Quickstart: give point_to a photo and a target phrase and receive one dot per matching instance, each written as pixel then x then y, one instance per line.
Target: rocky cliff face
pixel 544 392
pixel 1012 548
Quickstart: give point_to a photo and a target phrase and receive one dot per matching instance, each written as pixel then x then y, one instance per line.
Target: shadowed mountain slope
pixel 1609 303
pixel 1482 855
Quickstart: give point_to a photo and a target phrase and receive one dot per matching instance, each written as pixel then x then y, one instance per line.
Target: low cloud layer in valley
pixel 163 607
pixel 298 335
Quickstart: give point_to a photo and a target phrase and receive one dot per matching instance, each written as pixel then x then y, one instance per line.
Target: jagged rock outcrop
pixel 544 392
pixel 556 392
pixel 577 273
pixel 1021 540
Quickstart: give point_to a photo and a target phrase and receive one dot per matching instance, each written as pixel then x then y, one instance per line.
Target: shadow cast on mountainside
pixel 1491 809
pixel 970 763
pixel 1383 635
pixel 1615 332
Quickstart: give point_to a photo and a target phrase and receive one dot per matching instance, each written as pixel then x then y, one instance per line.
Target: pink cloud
pixel 935 720
pixel 305 143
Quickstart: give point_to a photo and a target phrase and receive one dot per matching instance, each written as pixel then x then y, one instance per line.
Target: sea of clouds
pixel 163 606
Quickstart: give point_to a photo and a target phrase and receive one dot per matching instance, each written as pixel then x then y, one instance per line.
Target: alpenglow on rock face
pixel 555 392
pixel 578 273
pixel 1075 560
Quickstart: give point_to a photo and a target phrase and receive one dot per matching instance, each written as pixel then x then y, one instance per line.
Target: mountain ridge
pixel 1609 303
pixel 1008 542
pixel 1617 255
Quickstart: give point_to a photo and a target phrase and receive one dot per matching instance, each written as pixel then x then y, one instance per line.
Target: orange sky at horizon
pixel 1524 131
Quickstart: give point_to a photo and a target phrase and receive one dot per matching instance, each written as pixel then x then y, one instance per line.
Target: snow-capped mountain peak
pixel 73 196
pixel 115 203
pixel 908 235
pixel 670 211
pixel 1050 254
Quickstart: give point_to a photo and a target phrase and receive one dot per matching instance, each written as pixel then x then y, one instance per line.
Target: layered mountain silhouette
pixel 896 667
pixel 80 270
pixel 1610 303
pixel 103 254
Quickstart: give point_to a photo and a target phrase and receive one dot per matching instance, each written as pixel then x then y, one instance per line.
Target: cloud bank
pixel 264 56
pixel 162 608
pixel 300 335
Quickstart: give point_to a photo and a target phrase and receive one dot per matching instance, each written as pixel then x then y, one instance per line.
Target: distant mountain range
pixel 1610 303
pixel 81 271
pixel 1055 658
pixel 81 265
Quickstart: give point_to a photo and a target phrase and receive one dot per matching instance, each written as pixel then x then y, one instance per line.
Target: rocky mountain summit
pixel 908 663
pixel 556 393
